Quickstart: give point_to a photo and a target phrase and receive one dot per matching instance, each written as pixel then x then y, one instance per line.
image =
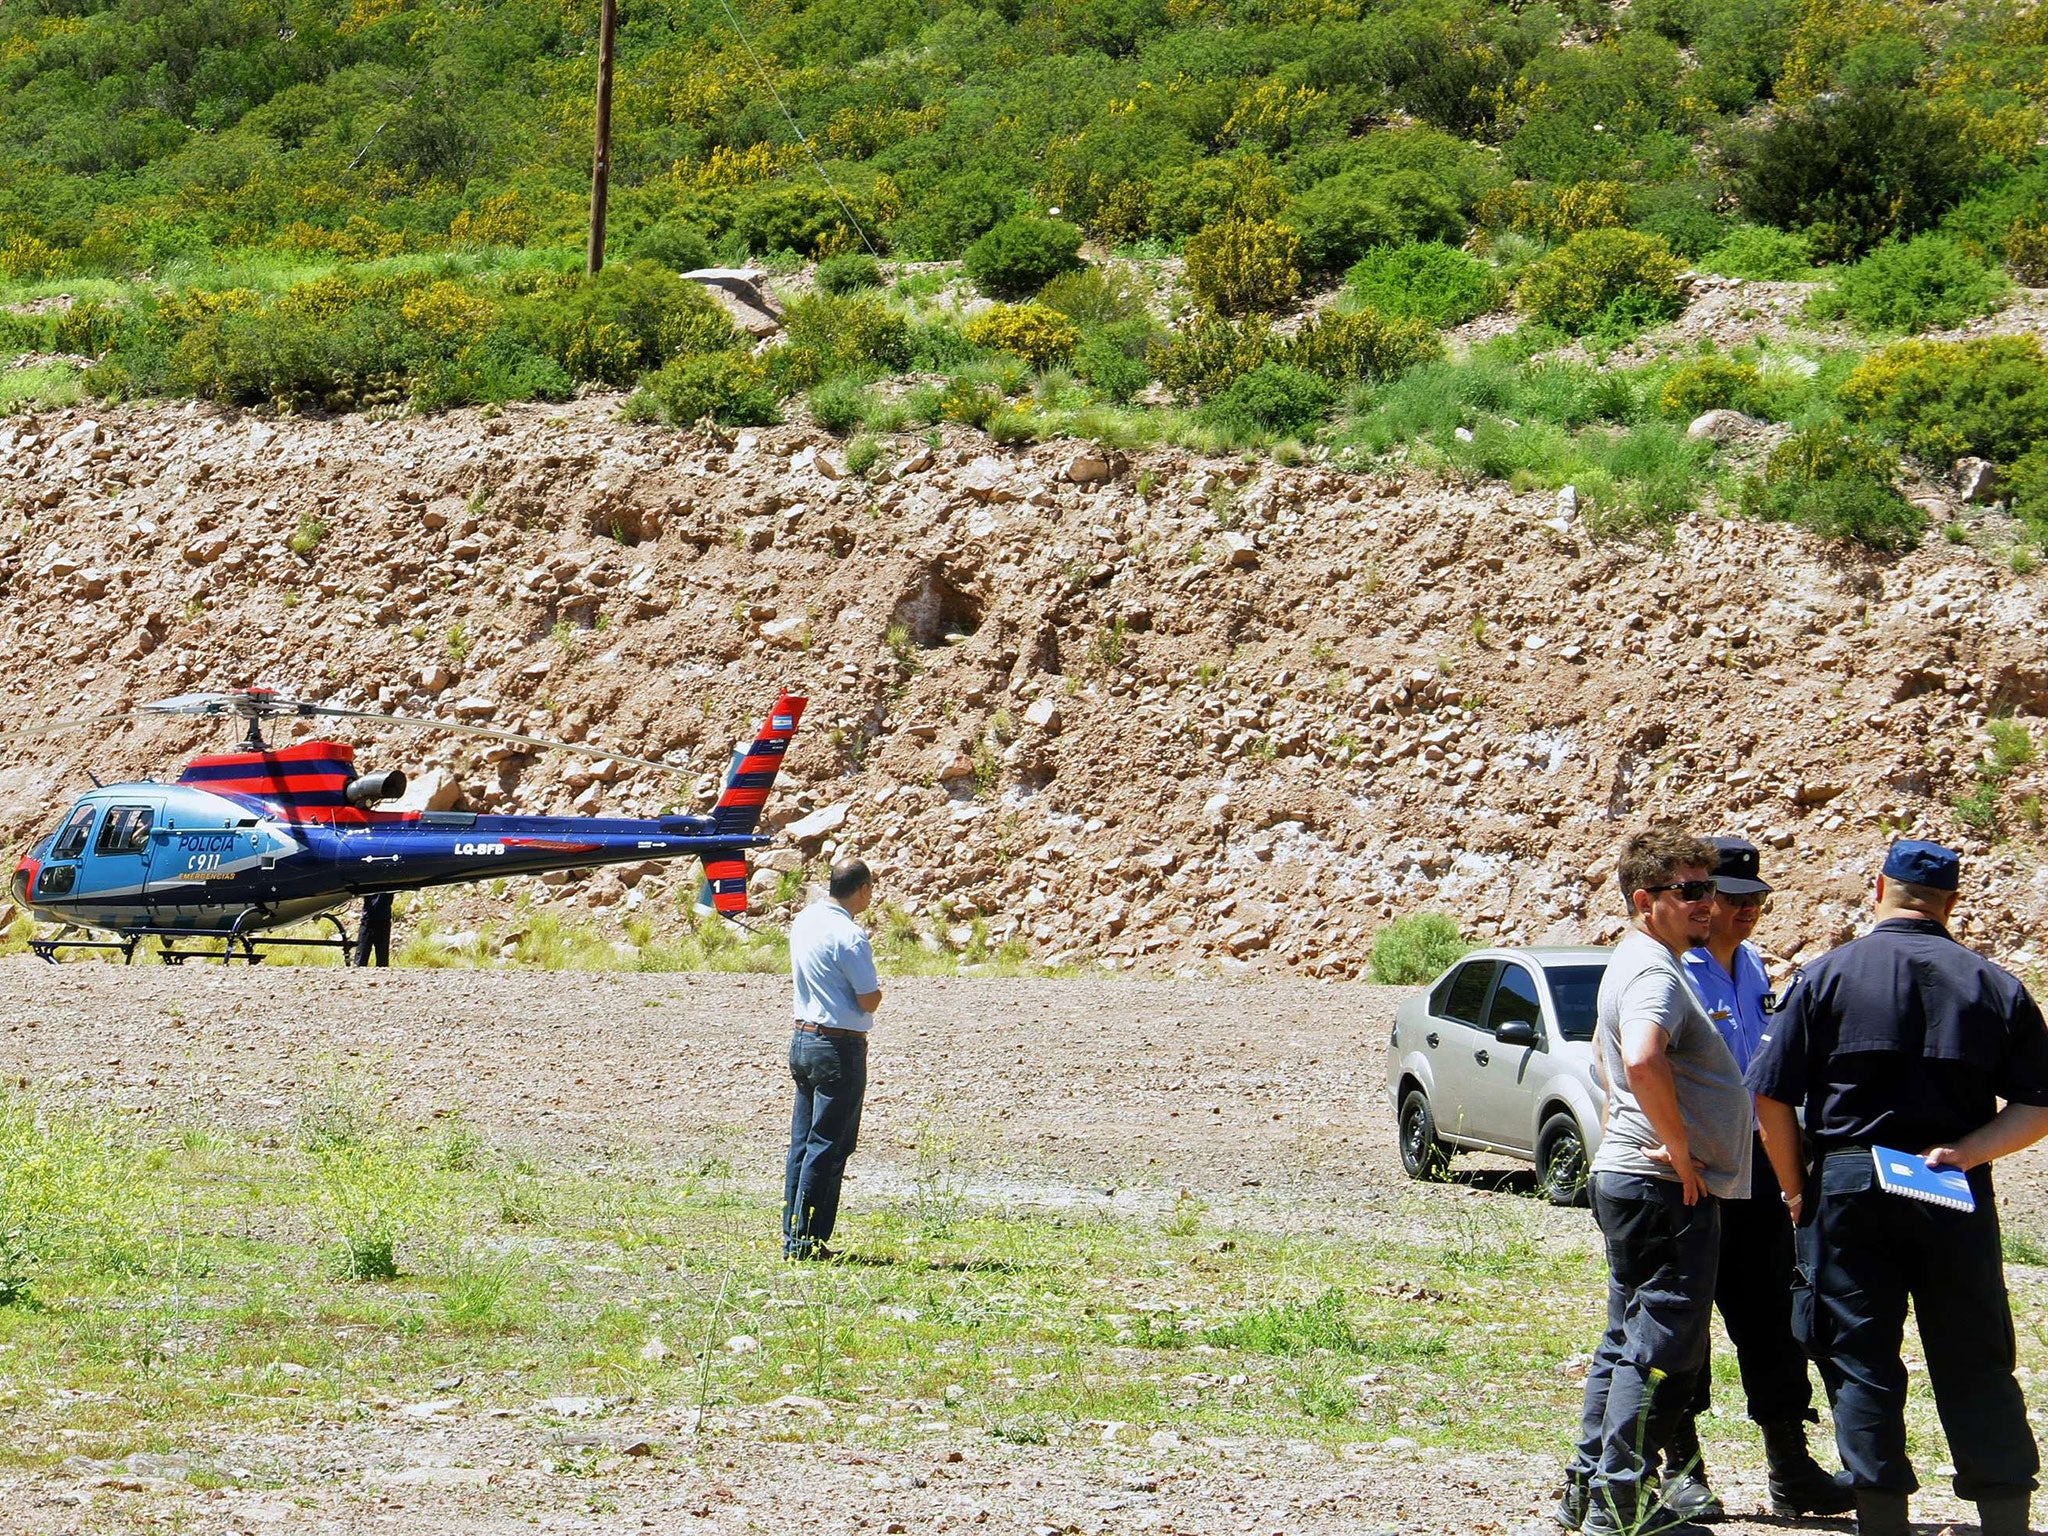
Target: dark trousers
pixel 373 932
pixel 831 1073
pixel 1868 1253
pixel 1753 1291
pixel 1661 1259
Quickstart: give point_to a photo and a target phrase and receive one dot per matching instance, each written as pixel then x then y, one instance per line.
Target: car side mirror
pixel 1516 1032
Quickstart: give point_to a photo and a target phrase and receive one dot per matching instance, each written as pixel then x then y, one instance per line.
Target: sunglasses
pixel 1749 899
pixel 1688 890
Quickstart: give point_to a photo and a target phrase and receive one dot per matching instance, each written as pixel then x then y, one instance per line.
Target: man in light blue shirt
pixel 832 970
pixel 1754 1288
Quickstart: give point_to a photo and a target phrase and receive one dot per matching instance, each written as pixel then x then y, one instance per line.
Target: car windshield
pixel 1576 991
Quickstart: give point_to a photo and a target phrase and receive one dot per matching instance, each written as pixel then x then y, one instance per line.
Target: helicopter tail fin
pixel 751 776
pixel 725 882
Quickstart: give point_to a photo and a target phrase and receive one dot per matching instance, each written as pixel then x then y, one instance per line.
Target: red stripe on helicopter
pixel 283 785
pixel 555 844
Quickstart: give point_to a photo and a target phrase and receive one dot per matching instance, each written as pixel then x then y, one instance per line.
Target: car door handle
pixel 1433 1039
pixel 1481 1057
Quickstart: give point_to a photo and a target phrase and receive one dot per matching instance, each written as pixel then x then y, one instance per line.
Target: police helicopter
pixel 253 840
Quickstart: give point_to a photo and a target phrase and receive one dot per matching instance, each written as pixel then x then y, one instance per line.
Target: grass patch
pixel 43 387
pixel 1452 1324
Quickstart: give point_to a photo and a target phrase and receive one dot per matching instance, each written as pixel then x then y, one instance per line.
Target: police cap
pixel 1735 871
pixel 1928 864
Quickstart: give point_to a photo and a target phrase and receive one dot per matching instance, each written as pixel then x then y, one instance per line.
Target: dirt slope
pixel 1193 713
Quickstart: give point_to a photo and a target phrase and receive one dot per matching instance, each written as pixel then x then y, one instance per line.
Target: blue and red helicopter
pixel 250 841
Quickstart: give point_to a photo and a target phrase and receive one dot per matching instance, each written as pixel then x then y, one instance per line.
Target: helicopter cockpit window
pixel 71 841
pixel 126 829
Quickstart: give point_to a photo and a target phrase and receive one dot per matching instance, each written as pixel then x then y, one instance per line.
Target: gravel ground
pixel 1266 1099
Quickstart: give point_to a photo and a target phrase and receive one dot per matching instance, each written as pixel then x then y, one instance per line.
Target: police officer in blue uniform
pixel 1905 1039
pixel 1753 1289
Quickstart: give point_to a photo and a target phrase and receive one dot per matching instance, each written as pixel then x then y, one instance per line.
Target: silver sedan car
pixel 1497 1056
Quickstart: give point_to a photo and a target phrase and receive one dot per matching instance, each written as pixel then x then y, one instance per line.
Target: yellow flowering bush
pixel 1041 335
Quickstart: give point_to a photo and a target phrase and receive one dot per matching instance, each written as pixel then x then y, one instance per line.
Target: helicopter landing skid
pixel 236 944
pixel 49 949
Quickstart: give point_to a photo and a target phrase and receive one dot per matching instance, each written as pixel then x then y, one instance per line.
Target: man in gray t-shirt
pixel 1677 1142
pixel 1645 989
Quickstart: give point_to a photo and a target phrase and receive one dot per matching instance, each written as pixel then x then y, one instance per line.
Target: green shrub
pixel 1244 266
pixel 1021 255
pixel 731 389
pixel 1040 335
pixel 2026 252
pixel 673 243
pixel 1601 277
pixel 1759 253
pixel 86 329
pixel 1094 297
pixel 1682 213
pixel 1940 400
pixel 839 405
pixel 1838 485
pixel 862 455
pixel 936 346
pixel 1857 168
pixel 2026 490
pixel 971 402
pixel 841 275
pixel 1361 347
pixel 630 317
pixel 1929 282
pixel 1710 384
pixel 1273 400
pixel 1117 370
pixel 1413 949
pixel 1204 358
pixel 856 334
pixel 1012 427
pixel 1437 283
pixel 1340 219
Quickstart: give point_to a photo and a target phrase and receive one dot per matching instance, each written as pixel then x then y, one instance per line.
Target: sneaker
pixel 816 1253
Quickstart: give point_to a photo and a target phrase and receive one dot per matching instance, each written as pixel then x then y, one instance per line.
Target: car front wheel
pixel 1423 1156
pixel 1561 1175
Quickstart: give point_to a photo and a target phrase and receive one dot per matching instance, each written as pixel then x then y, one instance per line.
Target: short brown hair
pixel 1649 856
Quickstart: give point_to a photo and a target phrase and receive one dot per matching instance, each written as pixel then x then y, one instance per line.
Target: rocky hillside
pixel 1161 714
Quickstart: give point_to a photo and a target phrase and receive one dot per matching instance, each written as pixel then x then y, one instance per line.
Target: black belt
pixel 806 1027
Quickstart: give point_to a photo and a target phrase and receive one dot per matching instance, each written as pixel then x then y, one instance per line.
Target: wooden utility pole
pixel 601 160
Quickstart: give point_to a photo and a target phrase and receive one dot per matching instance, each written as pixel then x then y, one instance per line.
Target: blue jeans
pixel 831 1073
pixel 1662 1258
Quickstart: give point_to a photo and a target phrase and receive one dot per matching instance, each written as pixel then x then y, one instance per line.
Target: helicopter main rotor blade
pixel 427 723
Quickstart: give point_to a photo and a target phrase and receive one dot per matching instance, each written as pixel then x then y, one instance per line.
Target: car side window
pixel 1463 996
pixel 126 829
pixel 71 841
pixel 1514 1000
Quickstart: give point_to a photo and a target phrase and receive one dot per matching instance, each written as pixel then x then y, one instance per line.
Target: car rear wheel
pixel 1561 1175
pixel 1422 1154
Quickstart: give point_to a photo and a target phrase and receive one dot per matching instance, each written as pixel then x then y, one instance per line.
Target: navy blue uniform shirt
pixel 1902 1038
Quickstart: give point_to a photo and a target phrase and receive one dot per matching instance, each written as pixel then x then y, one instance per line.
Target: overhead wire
pixel 816 164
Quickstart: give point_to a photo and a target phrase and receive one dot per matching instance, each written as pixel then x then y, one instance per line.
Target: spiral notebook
pixel 1907 1173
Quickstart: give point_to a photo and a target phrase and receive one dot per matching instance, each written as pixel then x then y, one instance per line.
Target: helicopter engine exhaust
pixel 369 788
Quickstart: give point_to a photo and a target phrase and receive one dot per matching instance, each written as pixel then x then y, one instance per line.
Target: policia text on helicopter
pixel 1873 1089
